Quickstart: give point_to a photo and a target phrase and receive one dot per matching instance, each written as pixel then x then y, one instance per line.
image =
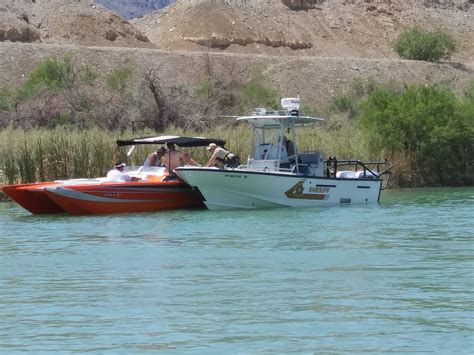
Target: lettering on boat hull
pixel 316 193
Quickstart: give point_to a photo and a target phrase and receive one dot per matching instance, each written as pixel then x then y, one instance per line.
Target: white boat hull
pixel 242 188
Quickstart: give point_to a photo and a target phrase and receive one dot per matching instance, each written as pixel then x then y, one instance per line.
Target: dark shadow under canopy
pixel 177 140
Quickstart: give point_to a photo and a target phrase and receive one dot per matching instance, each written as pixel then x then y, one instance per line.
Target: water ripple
pixel 393 278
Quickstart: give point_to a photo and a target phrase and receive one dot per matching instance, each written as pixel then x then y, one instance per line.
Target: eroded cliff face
pixel 80 22
pixel 215 41
pixel 17 28
pixel 462 5
pixel 349 28
pixel 302 4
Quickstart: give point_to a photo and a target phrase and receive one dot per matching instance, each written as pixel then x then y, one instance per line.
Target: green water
pixel 393 278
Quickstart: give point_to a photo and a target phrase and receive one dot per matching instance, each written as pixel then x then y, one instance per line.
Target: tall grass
pixel 43 155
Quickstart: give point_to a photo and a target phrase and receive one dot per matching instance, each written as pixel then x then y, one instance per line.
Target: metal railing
pixel 371 169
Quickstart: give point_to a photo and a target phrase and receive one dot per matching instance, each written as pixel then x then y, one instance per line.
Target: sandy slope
pixel 315 78
pixel 80 22
pixel 350 28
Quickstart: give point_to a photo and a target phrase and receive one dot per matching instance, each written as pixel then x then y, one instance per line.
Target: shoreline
pixel 3 196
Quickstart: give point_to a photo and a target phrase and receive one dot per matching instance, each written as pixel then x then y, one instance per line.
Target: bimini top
pixel 289 117
pixel 179 141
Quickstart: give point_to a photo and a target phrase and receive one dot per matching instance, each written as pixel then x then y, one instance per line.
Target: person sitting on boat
pixel 175 158
pixel 222 157
pixel 154 159
pixel 117 174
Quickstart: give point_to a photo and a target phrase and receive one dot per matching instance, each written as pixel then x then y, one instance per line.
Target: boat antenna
pixel 130 151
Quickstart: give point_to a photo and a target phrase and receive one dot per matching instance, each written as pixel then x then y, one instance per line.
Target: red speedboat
pixel 153 193
pixel 156 190
pixel 33 198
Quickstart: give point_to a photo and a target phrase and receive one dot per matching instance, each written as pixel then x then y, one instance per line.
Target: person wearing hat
pixel 118 175
pixel 154 159
pixel 222 156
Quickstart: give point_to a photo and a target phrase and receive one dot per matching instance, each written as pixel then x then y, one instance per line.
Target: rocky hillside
pixel 316 79
pixel 317 48
pixel 326 28
pixel 134 8
pixel 80 22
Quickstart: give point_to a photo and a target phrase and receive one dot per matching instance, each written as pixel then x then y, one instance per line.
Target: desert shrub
pixel 427 124
pixel 51 74
pixel 118 79
pixel 229 93
pixel 59 92
pixel 344 106
pixel 419 44
pixel 88 76
pixel 5 100
pixel 257 93
pixel 343 103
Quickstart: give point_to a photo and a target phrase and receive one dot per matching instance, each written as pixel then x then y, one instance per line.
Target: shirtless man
pixel 175 158
pixel 154 159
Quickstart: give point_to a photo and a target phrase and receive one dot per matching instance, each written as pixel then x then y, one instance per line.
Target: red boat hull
pixel 33 198
pixel 121 197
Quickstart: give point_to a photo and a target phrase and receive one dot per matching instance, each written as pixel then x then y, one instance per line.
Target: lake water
pixel 392 278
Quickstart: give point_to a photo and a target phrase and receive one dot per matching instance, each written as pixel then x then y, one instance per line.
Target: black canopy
pixel 179 141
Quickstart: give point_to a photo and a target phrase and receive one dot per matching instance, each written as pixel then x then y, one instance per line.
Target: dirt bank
pixel 316 79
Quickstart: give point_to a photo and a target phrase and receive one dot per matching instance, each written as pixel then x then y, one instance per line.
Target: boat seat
pixel 346 174
pixel 355 175
pixel 368 175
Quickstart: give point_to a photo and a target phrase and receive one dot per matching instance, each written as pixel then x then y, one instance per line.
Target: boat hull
pixel 109 198
pixel 33 198
pixel 241 188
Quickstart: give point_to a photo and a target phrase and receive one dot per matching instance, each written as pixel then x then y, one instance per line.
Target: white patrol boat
pixel 278 175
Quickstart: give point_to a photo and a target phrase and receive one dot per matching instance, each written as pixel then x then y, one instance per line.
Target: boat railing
pixel 264 112
pixel 264 164
pixel 362 170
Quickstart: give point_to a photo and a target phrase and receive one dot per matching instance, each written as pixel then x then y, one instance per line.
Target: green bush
pixel 118 80
pixel 343 103
pixel 419 44
pixel 5 100
pixel 51 74
pixel 430 126
pixel 256 93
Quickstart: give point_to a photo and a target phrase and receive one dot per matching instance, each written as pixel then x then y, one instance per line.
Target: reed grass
pixel 63 153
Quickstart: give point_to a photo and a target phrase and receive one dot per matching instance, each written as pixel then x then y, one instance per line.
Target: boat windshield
pixel 146 170
pixel 270 143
